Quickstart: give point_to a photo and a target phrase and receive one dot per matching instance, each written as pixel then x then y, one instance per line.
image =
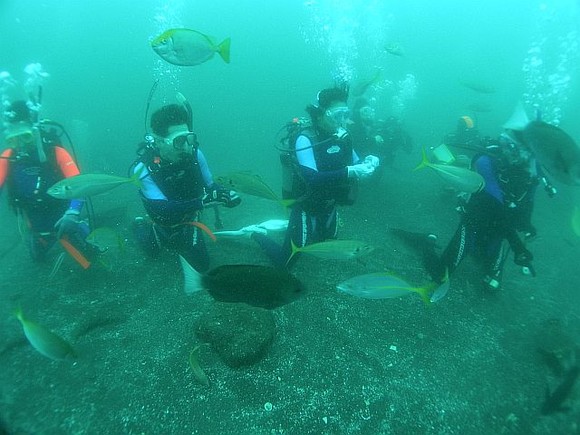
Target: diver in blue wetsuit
pixel 321 170
pixel 497 214
pixel 176 184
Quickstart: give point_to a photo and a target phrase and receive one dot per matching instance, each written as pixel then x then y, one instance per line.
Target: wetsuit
pixel 27 180
pixel 320 165
pixel 492 216
pixel 173 196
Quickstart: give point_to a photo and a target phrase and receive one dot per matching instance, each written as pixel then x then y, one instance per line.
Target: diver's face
pixel 335 117
pixel 178 142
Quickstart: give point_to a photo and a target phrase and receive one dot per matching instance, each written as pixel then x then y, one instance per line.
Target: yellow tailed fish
pixel 462 179
pixel 186 47
pixel 43 340
pixel 334 249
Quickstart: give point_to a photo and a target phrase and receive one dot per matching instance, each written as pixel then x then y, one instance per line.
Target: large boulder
pixel 241 334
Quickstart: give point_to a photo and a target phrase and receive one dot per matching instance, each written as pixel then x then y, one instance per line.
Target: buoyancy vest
pixel 29 178
pixel 330 154
pixel 182 184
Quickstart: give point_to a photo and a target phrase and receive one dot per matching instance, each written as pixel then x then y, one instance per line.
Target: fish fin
pixel 192 278
pixel 518 120
pixel 424 163
pixel 224 50
pixel 295 250
pixel 136 177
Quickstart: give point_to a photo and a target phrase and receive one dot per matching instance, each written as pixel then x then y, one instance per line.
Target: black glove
pixel 68 223
pixel 217 194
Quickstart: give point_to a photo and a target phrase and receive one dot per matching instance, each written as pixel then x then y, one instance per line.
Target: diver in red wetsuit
pixel 33 161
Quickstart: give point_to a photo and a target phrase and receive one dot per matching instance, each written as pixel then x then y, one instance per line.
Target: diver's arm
pixel 149 189
pixel 5 165
pixel 68 168
pixel 485 167
pixel 204 167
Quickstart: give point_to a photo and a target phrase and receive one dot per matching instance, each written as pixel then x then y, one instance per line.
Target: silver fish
pixel 186 47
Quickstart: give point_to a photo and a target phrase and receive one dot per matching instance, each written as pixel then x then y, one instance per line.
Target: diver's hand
pixel 372 160
pixel 362 170
pixel 216 194
pixel 68 223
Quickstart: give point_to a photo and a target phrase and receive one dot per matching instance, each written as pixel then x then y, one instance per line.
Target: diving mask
pixel 181 139
pixel 338 114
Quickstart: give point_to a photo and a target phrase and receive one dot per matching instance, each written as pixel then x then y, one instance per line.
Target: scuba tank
pixel 293 186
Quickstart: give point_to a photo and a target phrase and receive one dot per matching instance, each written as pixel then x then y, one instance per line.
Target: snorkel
pixel 183 101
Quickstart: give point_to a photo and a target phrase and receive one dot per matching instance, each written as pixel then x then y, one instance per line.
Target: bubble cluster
pixel 552 57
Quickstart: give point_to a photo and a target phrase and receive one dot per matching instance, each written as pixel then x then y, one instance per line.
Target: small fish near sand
pixel 86 185
pixel 256 285
pixel 462 179
pixel 382 285
pixel 198 372
pixel 186 47
pixel 43 340
pixel 334 249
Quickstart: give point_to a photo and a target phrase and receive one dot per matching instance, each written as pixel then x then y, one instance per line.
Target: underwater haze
pixel 470 364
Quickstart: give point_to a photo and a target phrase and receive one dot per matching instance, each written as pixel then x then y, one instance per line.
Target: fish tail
pixel 136 177
pixel 287 202
pixel 295 250
pixel 424 163
pixel 192 278
pixel 224 50
pixel 424 293
pixel 18 313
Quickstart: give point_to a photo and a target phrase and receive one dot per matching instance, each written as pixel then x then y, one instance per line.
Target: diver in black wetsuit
pixel 322 170
pixel 497 214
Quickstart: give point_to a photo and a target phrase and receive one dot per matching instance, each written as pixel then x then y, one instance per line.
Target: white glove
pixel 251 229
pixel 372 160
pixel 362 170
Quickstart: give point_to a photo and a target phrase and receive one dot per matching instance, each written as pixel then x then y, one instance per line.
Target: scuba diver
pixel 320 172
pixel 32 162
pixel 497 214
pixel 379 137
pixel 466 134
pixel 176 185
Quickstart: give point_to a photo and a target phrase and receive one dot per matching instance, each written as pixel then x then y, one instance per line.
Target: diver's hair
pixel 326 97
pixel 18 111
pixel 167 116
